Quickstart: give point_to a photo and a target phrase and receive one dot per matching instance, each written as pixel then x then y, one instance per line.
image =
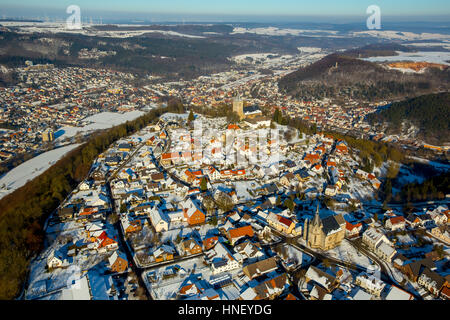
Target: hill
pixel 430 113
pixel 344 76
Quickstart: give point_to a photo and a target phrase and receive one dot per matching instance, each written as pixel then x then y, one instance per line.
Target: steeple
pixel 316 221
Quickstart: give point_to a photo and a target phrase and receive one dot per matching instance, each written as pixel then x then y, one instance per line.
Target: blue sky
pixel 406 8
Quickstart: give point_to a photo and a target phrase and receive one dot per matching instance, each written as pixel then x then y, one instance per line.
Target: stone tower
pixel 238 106
pixel 315 233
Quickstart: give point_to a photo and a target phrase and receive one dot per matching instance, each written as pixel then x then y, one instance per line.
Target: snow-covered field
pixel 60 27
pixel 99 121
pixel 421 56
pixel 30 169
pixel 273 31
pixel 398 35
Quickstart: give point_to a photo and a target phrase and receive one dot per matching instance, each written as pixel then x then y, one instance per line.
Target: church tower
pixel 315 233
pixel 238 106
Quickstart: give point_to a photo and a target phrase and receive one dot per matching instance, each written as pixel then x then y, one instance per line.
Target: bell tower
pixel 315 234
pixel 238 106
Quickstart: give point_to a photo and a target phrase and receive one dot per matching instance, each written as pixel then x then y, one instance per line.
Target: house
pixel 280 223
pixel 385 251
pixel 193 212
pixel 318 293
pixel 164 253
pixel 221 259
pixel 67 212
pixel 373 237
pixel 249 250
pixel 325 280
pixel 234 235
pixel 331 191
pixel 104 242
pixel 56 260
pixel 209 243
pixel 439 218
pixel 445 293
pixel 371 284
pixel 414 269
pixel 118 262
pixel 395 223
pixel 131 226
pixel 431 281
pixel 441 233
pixel 413 220
pixel 125 147
pixel 271 288
pixel 159 220
pixel 191 246
pixel 84 186
pixel 352 230
pixel 157 177
pixel 260 268
pixel 288 180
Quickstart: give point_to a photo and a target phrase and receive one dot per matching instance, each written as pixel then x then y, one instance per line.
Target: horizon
pixel 267 11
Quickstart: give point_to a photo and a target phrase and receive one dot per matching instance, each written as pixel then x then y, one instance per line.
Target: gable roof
pixel 261 267
pixel 240 232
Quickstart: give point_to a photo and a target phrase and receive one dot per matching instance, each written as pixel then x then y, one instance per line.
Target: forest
pixel 434 188
pixel 430 113
pixel 24 212
pixel 343 76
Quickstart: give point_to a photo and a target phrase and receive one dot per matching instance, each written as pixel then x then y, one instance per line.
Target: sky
pixel 418 10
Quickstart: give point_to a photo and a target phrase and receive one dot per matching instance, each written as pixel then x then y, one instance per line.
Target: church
pixel 249 112
pixel 324 234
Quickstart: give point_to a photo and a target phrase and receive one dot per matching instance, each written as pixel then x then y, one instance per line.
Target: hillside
pixel 343 76
pixel 430 113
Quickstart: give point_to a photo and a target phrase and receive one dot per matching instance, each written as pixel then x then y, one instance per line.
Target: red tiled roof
pixel 396 220
pixel 241 232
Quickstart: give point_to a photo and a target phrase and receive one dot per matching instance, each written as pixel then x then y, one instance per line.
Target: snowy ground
pixel 432 57
pixel 346 252
pixel 388 34
pixel 30 169
pixel 99 121
pixel 273 31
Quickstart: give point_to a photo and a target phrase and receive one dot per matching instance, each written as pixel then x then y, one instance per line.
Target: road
pixel 124 245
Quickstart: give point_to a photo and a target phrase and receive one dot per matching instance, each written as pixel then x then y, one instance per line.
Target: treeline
pixel 431 113
pixel 221 111
pixel 372 153
pixel 434 188
pixel 24 212
pixel 377 50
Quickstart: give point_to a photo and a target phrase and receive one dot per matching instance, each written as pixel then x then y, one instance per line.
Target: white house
pixel 159 220
pixel 385 251
pixel 395 223
pixel 55 260
pixel 373 237
pixel 84 186
pixel 370 284
pixel 221 259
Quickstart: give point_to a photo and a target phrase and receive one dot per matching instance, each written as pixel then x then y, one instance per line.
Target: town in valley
pixel 248 181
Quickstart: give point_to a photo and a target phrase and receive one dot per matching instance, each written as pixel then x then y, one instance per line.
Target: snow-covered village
pixel 250 210
pixel 198 155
